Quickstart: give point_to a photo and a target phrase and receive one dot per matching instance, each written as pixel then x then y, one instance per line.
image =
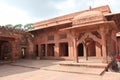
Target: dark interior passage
pixel 24 53
pixel 36 50
pixel 42 49
pixel 50 49
pixel 63 49
pixel 5 50
pixel 80 49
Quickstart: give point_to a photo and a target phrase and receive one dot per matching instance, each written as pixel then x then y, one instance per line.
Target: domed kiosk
pixel 89 17
pixel 91 34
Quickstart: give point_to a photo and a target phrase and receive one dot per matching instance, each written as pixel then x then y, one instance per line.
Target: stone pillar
pixel 98 50
pixel 75 50
pixel 84 51
pixel 57 54
pixel 116 42
pixel 45 50
pixel 74 39
pixel 14 51
pixel 39 52
pixel 104 50
pixel 70 49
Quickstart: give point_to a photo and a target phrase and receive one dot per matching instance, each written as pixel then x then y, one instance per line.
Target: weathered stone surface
pixel 12 41
pixel 89 34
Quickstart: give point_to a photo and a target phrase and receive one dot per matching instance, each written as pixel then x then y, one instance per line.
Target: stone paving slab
pixel 35 63
pixel 49 75
pixel 5 62
pixel 10 72
pixel 53 75
pixel 6 70
pixel 111 76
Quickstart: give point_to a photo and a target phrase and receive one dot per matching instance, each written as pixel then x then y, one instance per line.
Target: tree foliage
pixel 26 27
pixel 9 25
pixel 18 26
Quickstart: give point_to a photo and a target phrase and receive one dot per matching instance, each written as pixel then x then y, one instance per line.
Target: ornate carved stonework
pixel 88 17
pixel 89 35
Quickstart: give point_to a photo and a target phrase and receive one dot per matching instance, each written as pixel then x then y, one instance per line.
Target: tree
pixel 18 26
pixel 9 25
pixel 28 26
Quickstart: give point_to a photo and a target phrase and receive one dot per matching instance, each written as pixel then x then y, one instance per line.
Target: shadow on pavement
pixel 23 66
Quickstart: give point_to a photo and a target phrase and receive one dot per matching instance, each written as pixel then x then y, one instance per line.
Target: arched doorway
pixel 23 52
pixel 80 49
pixel 63 49
pixel 5 50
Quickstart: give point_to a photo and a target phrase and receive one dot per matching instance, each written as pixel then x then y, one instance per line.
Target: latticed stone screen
pixel 51 37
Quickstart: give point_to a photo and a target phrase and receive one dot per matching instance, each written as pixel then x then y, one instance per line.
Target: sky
pixel 31 11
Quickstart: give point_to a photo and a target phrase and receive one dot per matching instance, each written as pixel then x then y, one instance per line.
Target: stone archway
pixel 89 35
pixel 80 49
pixel 90 44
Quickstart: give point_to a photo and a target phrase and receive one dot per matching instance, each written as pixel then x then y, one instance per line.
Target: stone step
pixel 87 65
pixel 77 70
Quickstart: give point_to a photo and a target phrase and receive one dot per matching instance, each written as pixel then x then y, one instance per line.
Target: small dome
pixel 88 17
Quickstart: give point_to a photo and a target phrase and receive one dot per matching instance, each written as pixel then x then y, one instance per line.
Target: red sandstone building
pixel 15 44
pixel 89 34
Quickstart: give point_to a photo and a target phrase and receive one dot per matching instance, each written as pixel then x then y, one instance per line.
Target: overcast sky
pixel 27 11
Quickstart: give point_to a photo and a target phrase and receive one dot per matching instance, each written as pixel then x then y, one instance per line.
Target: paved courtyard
pixel 39 70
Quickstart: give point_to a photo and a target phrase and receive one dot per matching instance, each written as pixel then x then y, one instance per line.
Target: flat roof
pixel 66 18
pixel 90 24
pixel 110 14
pixel 43 27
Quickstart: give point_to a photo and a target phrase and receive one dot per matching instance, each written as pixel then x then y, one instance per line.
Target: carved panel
pixel 63 36
pixel 96 34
